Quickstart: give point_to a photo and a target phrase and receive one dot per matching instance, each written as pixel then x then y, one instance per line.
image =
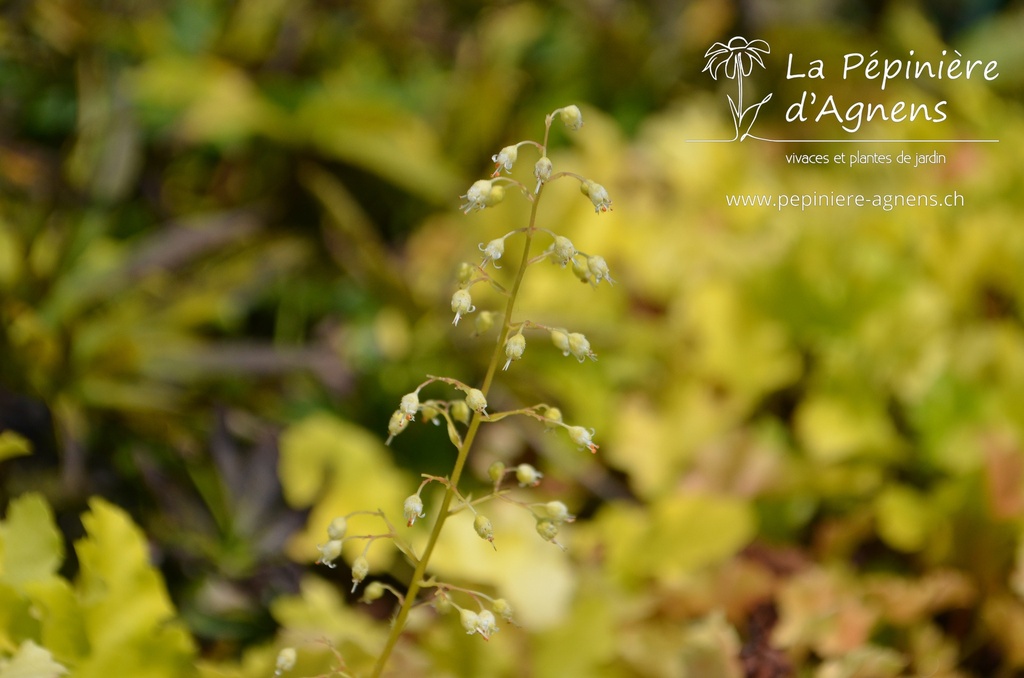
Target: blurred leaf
pixel 377 135
pixel 338 467
pixel 13 445
pixel 130 621
pixel 31 661
pixel 905 519
pixel 32 547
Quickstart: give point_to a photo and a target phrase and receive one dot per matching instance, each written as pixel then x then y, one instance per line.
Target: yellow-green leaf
pixel 32 548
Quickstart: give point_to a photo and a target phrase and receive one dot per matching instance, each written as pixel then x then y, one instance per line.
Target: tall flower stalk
pixel 463 416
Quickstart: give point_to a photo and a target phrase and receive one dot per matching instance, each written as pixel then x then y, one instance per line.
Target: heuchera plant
pixel 463 415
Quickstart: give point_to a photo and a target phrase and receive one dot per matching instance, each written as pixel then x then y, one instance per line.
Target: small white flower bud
pixel 580 347
pixel 571 117
pixel 396 425
pixel 562 250
pixel 372 592
pixel 598 268
pixel 493 250
pixel 597 194
pixel 527 475
pixel 486 625
pixel 410 404
pixel 583 438
pixel 558 512
pixel 460 411
pixel 483 193
pixel 412 509
pixel 469 620
pixel 285 660
pixel 360 568
pixel 442 603
pixel 560 338
pixel 462 303
pixel 542 170
pixel 552 417
pixel 483 527
pixel 465 272
pixel 504 159
pixel 329 552
pixel 337 528
pixel 547 529
pixel 580 270
pixel 476 400
pixel 484 321
pixel 504 610
pixel 496 471
pixel 514 347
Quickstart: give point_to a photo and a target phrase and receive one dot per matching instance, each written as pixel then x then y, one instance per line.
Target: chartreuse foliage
pixel 115 618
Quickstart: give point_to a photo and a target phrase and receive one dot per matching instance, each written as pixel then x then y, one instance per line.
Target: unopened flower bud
pixel 476 400
pixel 496 471
pixel 396 425
pixel 504 159
pixel 484 321
pixel 598 268
pixel 527 475
pixel 514 347
pixel 360 568
pixel 469 620
pixel 542 170
pixel 460 411
pixel 597 194
pixel 372 592
pixel 547 529
pixel 560 338
pixel 504 610
pixel 562 250
pixel 412 509
pixel 493 250
pixel 465 272
pixel 583 437
pixel 580 347
pixel 483 193
pixel 558 512
pixel 443 604
pixel 337 528
pixel 462 303
pixel 580 270
pixel 410 404
pixel 483 527
pixel 430 413
pixel 285 660
pixel 329 552
pixel 571 117
pixel 552 417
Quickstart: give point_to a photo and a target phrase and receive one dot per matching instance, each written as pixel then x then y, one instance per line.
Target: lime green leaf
pixel 679 535
pixel 340 468
pixel 31 661
pixel 13 445
pixel 128 613
pixel 904 518
pixel 32 546
pixel 61 623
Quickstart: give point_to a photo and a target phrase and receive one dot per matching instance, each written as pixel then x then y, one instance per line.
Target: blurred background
pixel 229 233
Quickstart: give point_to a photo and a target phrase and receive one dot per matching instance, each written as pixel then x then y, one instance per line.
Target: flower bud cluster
pixel 483 193
pixel 572 343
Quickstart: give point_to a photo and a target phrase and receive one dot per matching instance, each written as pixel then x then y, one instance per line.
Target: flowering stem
pixel 419 573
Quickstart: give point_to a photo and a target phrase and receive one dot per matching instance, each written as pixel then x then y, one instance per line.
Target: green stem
pixel 460 462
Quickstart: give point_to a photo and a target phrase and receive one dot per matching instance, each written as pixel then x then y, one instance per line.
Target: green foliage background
pixel 228 236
